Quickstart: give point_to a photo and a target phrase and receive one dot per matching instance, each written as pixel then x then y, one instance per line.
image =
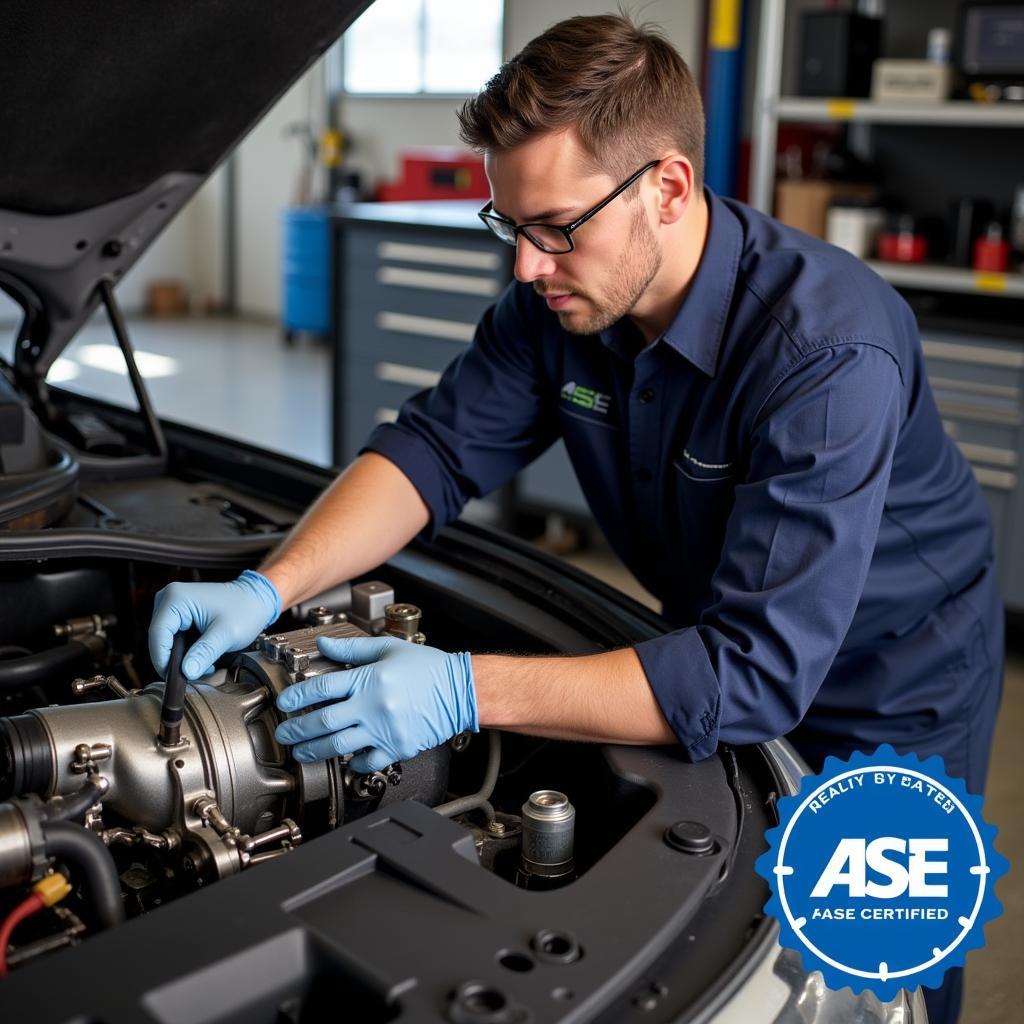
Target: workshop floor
pixel 237 378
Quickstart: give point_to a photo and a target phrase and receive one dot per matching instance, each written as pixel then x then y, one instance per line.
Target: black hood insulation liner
pixel 114 112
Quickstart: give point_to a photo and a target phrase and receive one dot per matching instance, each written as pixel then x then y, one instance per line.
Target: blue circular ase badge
pixel 882 872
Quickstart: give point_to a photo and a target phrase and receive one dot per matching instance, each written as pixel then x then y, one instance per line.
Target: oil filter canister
pixel 549 821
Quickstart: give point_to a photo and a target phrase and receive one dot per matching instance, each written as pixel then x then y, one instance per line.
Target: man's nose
pixel 531 263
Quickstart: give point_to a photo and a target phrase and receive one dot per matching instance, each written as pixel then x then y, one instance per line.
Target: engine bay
pixel 496 872
pixel 99 790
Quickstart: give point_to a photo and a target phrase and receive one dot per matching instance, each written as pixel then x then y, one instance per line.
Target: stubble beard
pixel 637 266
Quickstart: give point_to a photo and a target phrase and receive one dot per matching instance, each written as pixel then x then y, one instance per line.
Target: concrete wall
pixel 270 165
pixel 191 250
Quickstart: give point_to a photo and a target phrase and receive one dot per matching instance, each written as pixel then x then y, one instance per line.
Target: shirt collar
pixel 696 330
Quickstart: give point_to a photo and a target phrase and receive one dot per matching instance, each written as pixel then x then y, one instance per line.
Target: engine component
pixel 83 626
pixel 481 800
pixel 172 708
pixel 83 848
pixel 36 668
pixel 321 615
pixel 403 621
pixel 33 832
pixel 369 603
pixel 549 822
pixel 45 893
pixel 195 767
pixel 86 640
pixel 22 851
pixel 38 475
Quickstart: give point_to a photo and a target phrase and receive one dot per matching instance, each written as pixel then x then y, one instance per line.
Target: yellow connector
pixel 52 889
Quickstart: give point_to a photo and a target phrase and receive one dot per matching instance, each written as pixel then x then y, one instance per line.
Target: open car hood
pixel 114 114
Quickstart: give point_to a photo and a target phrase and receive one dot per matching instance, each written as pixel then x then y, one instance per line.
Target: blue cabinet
pixel 306 270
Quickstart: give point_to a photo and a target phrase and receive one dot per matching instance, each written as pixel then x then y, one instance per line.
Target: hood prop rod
pixel 153 428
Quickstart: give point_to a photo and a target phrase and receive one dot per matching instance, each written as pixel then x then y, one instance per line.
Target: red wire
pixel 14 918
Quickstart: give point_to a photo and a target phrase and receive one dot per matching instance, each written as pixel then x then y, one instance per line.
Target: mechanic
pixel 747 411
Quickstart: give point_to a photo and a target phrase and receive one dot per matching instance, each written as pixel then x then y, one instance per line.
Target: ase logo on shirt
pixel 586 398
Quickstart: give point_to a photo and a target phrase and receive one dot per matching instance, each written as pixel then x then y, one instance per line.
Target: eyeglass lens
pixel 548 239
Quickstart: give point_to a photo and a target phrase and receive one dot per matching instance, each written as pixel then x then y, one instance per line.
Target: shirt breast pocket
pixel 701 470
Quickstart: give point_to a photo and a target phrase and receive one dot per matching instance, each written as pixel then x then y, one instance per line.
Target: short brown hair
pixel 622 86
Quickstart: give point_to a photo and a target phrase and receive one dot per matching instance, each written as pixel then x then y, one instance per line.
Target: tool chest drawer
pixel 978 383
pixel 460 298
pixel 961 358
pixel 384 381
pixel 470 252
pixel 433 274
pixel 390 334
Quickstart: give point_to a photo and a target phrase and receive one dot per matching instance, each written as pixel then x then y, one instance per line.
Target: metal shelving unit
pixel 955 114
pixel 770 107
pixel 949 279
pixel 978 380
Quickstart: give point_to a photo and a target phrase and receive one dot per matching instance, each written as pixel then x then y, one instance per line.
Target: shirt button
pixel 643 475
pixel 646 395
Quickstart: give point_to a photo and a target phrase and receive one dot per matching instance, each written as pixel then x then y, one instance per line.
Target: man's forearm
pixel 600 697
pixel 365 516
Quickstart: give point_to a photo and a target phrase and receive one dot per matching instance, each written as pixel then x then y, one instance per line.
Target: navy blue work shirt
pixel 773 468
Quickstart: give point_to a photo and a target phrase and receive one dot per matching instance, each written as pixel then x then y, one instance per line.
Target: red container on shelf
pixel 992 252
pixel 904 244
pixel 437 172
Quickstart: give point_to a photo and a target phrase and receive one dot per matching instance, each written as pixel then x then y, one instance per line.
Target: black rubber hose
pixel 27 763
pixel 39 490
pixel 83 849
pixel 173 708
pixel 39 667
pixel 72 808
pixel 111 467
pixel 104 468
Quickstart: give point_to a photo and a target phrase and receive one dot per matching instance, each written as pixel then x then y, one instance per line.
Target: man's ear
pixel 675 183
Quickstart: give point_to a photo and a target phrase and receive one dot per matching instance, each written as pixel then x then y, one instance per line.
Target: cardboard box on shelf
pixel 910 81
pixel 804 203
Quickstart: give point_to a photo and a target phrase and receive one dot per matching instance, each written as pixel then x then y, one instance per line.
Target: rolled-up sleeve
pixel 484 420
pixel 798 543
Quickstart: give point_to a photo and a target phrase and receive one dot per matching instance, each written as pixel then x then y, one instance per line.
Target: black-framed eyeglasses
pixel 555 239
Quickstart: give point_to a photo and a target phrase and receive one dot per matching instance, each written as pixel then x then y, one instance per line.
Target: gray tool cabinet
pixel 414 279
pixel 978 383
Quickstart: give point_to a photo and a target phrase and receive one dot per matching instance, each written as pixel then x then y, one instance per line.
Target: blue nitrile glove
pixel 401 699
pixel 229 616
